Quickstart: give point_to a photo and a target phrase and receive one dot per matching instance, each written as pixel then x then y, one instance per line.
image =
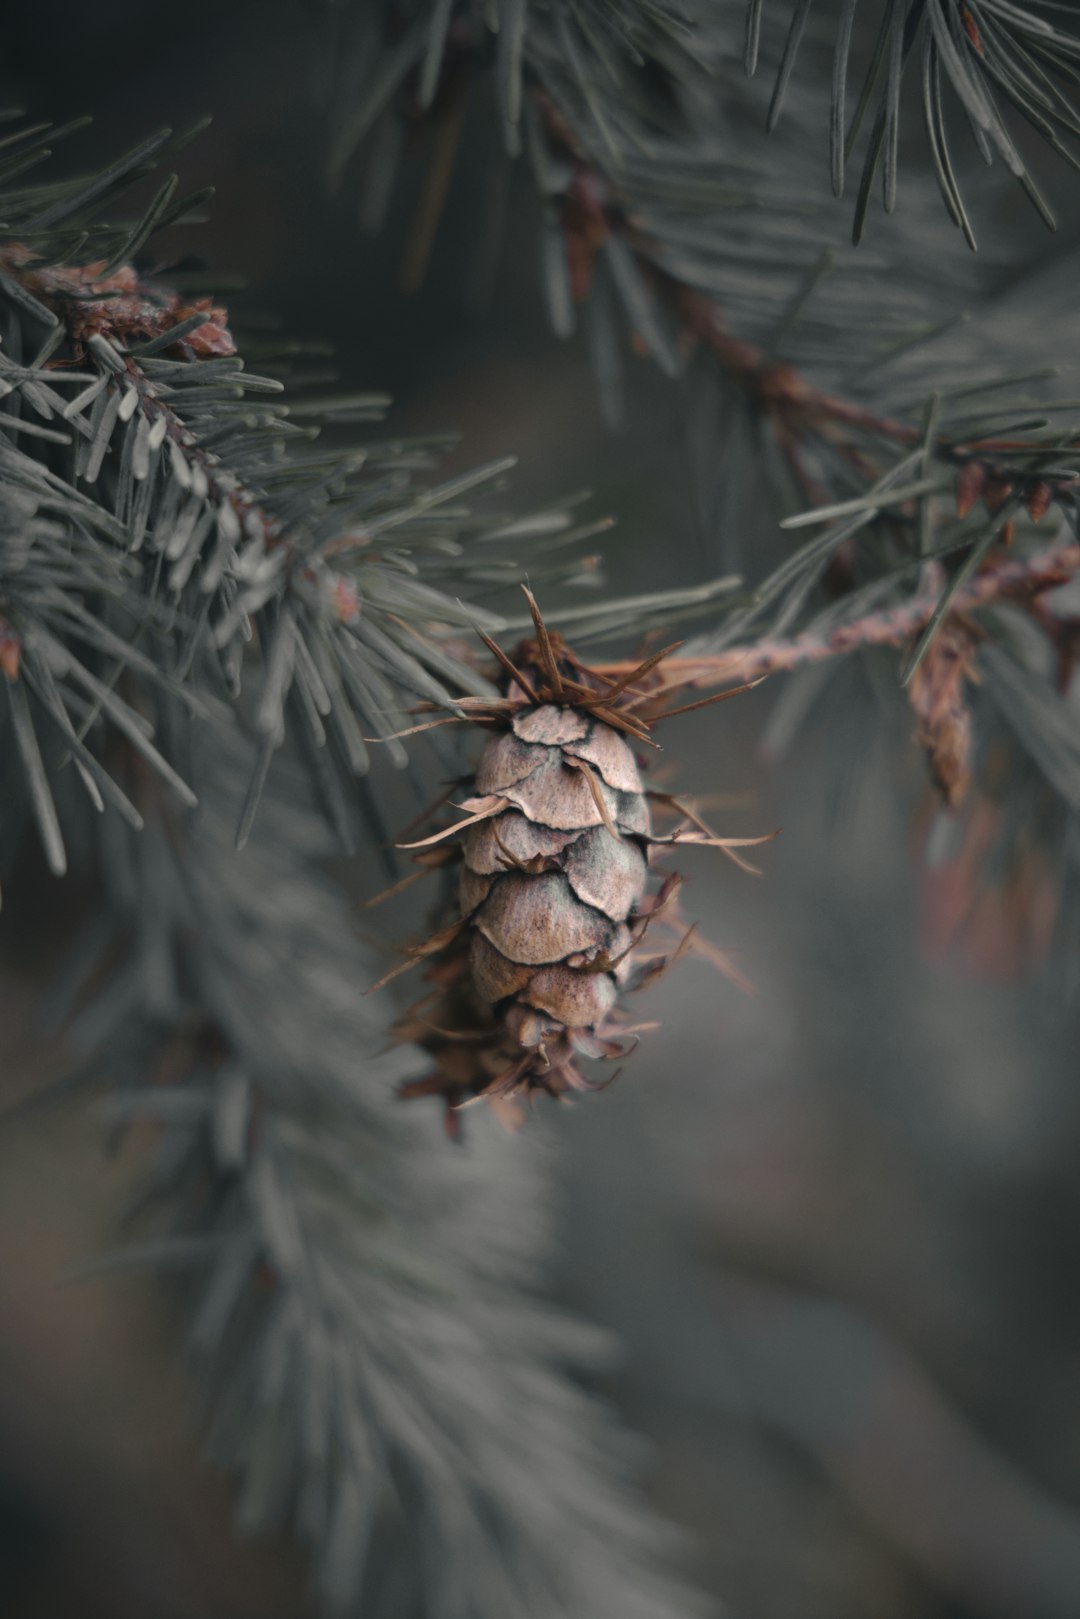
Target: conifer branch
pixel 361 1318
pixel 363 1325
pixel 218 526
pixel 1020 580
pixel 796 410
pixel 377 1366
pixel 649 217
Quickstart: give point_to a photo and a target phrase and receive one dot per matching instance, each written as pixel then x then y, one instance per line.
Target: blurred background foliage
pixel 834 1225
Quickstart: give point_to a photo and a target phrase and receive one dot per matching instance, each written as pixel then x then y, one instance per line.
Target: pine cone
pixel 552 892
pixel 550 884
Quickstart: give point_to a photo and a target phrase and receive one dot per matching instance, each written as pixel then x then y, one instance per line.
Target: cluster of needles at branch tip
pixel 553 909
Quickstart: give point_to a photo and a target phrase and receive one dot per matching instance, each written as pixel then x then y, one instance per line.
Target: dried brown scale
pixel 938 693
pixel 606 872
pixel 489 848
pixel 557 795
pixel 554 835
pixel 534 920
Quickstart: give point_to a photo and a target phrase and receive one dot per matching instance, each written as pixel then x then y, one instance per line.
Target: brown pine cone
pixel 550 884
pixel 553 897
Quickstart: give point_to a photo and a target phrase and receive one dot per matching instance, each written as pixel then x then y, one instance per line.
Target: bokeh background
pixel 834 1225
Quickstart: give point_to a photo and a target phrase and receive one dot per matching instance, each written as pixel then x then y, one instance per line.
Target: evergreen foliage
pixel 191 583
pixel 904 411
pixel 363 1318
pixel 983 52
pixel 365 1315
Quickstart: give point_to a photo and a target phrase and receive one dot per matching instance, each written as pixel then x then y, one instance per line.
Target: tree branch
pixel 1021 579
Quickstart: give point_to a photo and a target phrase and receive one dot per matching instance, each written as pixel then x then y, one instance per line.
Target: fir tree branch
pixel 376 1368
pixel 641 195
pixel 979 51
pixel 1021 580
pixel 650 216
pixel 366 1328
pixel 594 212
pixel 337 562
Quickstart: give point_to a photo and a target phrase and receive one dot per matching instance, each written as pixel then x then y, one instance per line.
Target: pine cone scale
pixel 605 872
pixel 489 846
pixel 536 920
pixel 577 999
pixel 606 751
pixel 551 725
pixel 559 797
pixel 506 761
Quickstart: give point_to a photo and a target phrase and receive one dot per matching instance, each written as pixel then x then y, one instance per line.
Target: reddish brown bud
pixel 996 492
pixel 1038 502
pixel 10 651
pixel 212 339
pixel 122 306
pixel 938 697
pixel 971 29
pixel 346 600
pixel 993 920
pixel 585 229
pixel 969 486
